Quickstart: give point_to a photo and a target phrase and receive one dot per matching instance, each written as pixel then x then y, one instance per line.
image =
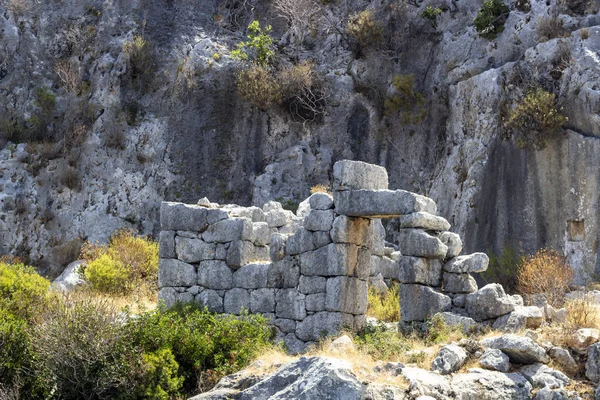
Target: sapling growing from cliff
pixel 491 18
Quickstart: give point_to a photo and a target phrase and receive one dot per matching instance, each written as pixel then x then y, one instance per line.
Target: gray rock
pixel 351 230
pixel 215 215
pixel 262 301
pixel 229 230
pixel 418 243
pixel 71 277
pixel 169 296
pixel 465 323
pixel 290 304
pixel 236 300
pixel 592 365
pixel 321 239
pixel 564 359
pixel 293 345
pixel 277 247
pixel 378 237
pixel 284 274
pixel 427 383
pixel 418 270
pixel 312 284
pixel 335 260
pixel 319 220
pixel 449 359
pixel 476 262
pixel 194 290
pixel 175 273
pixel 285 325
pixel 549 394
pixel 309 378
pixel 299 242
pixel 320 324
pixel 261 233
pixel 166 240
pixel 315 302
pixel 418 303
pixel 459 283
pixel 348 295
pixel 378 284
pixel 358 175
pixel 254 214
pixel 241 252
pixel 482 384
pixel 496 360
pixel 381 203
pixel 459 300
pixel 251 276
pixel 540 376
pixel 276 218
pixel 387 267
pixel 520 350
pixel 582 338
pixel 423 220
pixel 215 275
pixel 210 299
pixel 489 302
pixel 182 217
pixel 321 201
pixel 194 250
pixel 453 242
pixel 519 319
pixel 221 251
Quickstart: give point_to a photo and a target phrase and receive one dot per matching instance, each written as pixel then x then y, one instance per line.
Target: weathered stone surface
pixel 387 267
pixel 321 201
pixel 285 325
pixel 496 360
pixel 482 384
pixel 321 239
pixel 348 295
pixel 459 283
pixel 284 274
pixel 254 214
pixel 476 262
pixel 315 302
pixel 166 241
pixel 211 299
pixel 71 277
pixel 467 324
pixel 229 230
pixel 169 296
pixel 251 276
pixel 335 260
pixel 277 218
pixel 277 247
pixel 241 252
pixel 378 284
pixel 312 284
pixel 221 251
pixel 381 203
pixel 449 359
pixel 453 242
pixel 426 383
pixel 549 394
pixel 582 338
pixel 489 302
pixel 299 242
pixel 175 273
pixel 460 300
pixel 309 378
pixel 521 318
pixel 262 301
pixel 378 237
pixel 313 327
pixel 261 233
pixel 520 350
pixel 592 366
pixel 564 359
pixel 215 275
pixel 540 376
pixel 423 220
pixel 418 303
pixel 182 217
pixel 358 175
pixel 236 300
pixel 194 250
pixel 319 220
pixel 418 243
pixel 419 270
pixel 351 230
pixel 290 304
pixel 215 215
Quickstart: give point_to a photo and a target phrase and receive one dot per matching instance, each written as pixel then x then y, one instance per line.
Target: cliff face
pixel 177 130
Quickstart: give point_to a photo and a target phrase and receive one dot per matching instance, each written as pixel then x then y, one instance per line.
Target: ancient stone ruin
pixel 309 272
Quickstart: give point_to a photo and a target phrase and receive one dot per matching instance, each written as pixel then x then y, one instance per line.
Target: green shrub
pixel 536 119
pixel 259 46
pixel 386 306
pixel 162 376
pixel 381 343
pixel 491 18
pixel 258 86
pixel 365 31
pixel 406 100
pixel 440 332
pixel 431 13
pixel 108 275
pixel 503 268
pixel 23 292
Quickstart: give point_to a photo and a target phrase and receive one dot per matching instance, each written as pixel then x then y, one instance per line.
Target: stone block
pixel 215 215
pixel 460 300
pixel 321 201
pixel 211 300
pixel 236 300
pixel 277 247
pixel 299 242
pixel 347 295
pixel 278 217
pixel 377 237
pixel 381 203
pixel 459 283
pixel 423 220
pixel 419 303
pixel 215 275
pixel 169 296
pixel 312 284
pixel 262 301
pixel 290 304
pixel 229 230
pixel 254 214
pixel 285 325
pixel 251 276
pixel 241 252
pixel 418 243
pixel 175 273
pixel 519 319
pixel 335 260
pixel 284 274
pixel 352 231
pixel 476 262
pixel 419 270
pixel 315 327
pixel 194 250
pixel 358 175
pixel 453 242
pixel 319 220
pixel 261 233
pixel 182 217
pixel 166 241
pixel 320 239
pixel 221 251
pixel 315 302
pixel 489 302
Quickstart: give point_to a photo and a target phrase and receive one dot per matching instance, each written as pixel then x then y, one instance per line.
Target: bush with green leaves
pixel 406 100
pixel 258 49
pixel 491 18
pixel 431 13
pixel 536 120
pixel 23 292
pixel 504 267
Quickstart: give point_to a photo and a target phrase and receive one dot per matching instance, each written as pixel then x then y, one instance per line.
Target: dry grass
pixel 320 188
pixel 550 28
pixel 18 7
pixel 582 313
pixel 70 77
pixel 584 34
pixel 546 273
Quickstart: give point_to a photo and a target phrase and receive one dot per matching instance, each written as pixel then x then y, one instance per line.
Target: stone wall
pixel 309 272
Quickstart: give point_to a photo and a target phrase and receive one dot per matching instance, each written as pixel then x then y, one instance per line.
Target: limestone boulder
pixel 417 270
pixel 347 295
pixel 495 360
pixel 166 240
pixel 426 383
pixel 251 276
pixel 182 217
pixel 423 220
pixel 321 201
pixel 564 359
pixel 175 273
pixel 459 283
pixel 351 230
pixel 449 359
pixel 419 243
pixel 592 366
pixel 466 324
pixel 319 220
pixel 482 384
pixel 581 339
pixel 314 326
pixel 71 277
pixel 418 302
pixel 519 349
pixel 381 203
pixel 229 230
pixel 489 302
pixel 358 175
pixel 540 376
pixel 453 242
pixel 521 318
pixel 214 275
pixel 337 260
pixel 290 304
pixel 211 300
pixel 236 300
pixel 194 250
pixel 477 262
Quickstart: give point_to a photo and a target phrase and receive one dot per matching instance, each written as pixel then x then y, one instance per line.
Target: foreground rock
pixel 481 384
pixel 489 302
pixel 449 359
pixel 71 277
pixel 520 350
